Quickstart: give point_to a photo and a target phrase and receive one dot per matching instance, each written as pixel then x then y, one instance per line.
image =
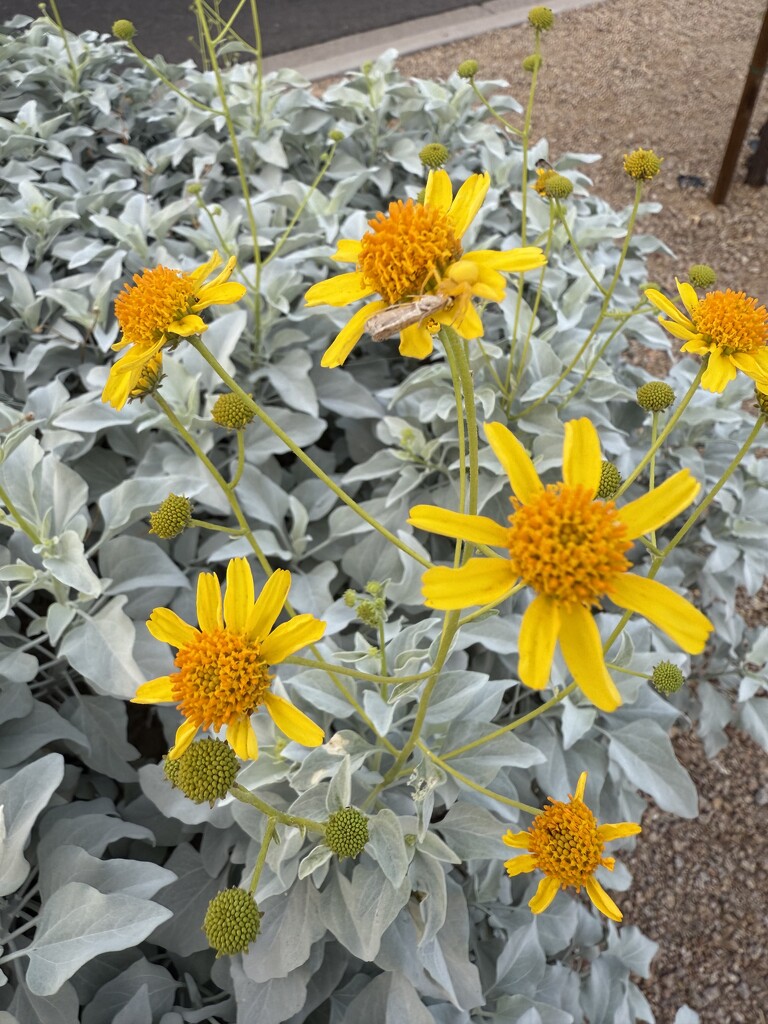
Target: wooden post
pixel 743 114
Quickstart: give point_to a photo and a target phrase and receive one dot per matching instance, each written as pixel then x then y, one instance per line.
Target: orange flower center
pixel 148 309
pixel 567 546
pixel 565 842
pixel 731 321
pixel 221 677
pixel 407 250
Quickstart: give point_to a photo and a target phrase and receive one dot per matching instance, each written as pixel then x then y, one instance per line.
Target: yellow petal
pixel 478 529
pixel 198 275
pixel 416 342
pixel 350 334
pixel 218 295
pixel 465 320
pixel 290 637
pixel 223 275
pixel 667 307
pixel 720 371
pixel 347 250
pixel 602 900
pixel 536 643
pixel 187 326
pixel 682 332
pixel 545 893
pixel 618 831
pixel 268 604
pixel 209 602
pixel 581 455
pixel 688 294
pixel 292 722
pixel 439 191
pixel 669 611
pixel 515 460
pixel 242 738
pixel 338 291
pixel 166 626
pixel 519 865
pixel 510 260
pixel 583 652
pixel 479 581
pixel 652 510
pixel 156 691
pixel 239 595
pixel 581 785
pixel 754 364
pixel 468 201
pixel 517 840
pixel 184 736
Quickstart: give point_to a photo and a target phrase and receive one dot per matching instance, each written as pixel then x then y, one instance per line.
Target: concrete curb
pixel 349 53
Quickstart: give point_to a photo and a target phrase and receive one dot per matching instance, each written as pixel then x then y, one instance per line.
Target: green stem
pixel 702 507
pixel 21 521
pixel 476 786
pixel 261 860
pixel 302 456
pixel 60 25
pixel 233 531
pixel 452 340
pixel 532 321
pixel 562 217
pixel 365 677
pixel 552 702
pixel 598 355
pixel 247 797
pixel 153 69
pixel 665 432
pixel 302 205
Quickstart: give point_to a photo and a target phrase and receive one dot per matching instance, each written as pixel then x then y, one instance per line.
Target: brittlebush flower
pixel 570 548
pixel 415 249
pixel 566 843
pixel 728 327
pixel 224 665
pixel 161 307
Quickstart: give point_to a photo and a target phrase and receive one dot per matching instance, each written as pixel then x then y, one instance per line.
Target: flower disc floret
pixel 434 154
pixel 206 771
pixel 667 678
pixel 346 832
pixel 642 164
pixel 541 18
pixel 727 327
pixel 566 843
pixel 610 480
pixel 468 68
pixel 567 546
pixel 223 667
pixel 405 248
pixel 171 517
pixel 231 411
pixel 414 250
pixel 655 396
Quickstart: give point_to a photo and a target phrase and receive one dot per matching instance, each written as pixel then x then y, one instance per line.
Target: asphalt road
pixel 168 27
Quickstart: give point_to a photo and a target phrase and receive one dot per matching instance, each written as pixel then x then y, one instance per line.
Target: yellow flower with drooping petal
pixel 566 843
pixel 413 250
pixel 161 307
pixel 224 665
pixel 570 548
pixel 727 327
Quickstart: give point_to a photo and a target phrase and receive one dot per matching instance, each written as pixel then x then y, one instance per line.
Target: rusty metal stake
pixel 743 114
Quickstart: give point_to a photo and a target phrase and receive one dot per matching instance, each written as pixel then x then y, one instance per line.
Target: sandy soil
pixel 667 75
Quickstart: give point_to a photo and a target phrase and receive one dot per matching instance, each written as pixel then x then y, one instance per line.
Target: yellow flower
pixel 415 249
pixel 159 309
pixel 224 665
pixel 570 548
pixel 566 843
pixel 726 326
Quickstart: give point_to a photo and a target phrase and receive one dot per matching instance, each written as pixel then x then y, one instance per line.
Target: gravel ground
pixel 667 75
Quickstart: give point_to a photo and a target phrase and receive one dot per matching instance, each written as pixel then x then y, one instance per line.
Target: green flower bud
pixel 346 832
pixel 642 164
pixel 231 411
pixel 124 29
pixel 171 518
pixel 232 922
pixel 434 155
pixel 667 678
pixel 541 18
pixel 701 275
pixel 655 396
pixel 206 770
pixel 557 186
pixel 335 135
pixel 468 68
pixel 421 195
pixel 610 480
pixel 532 62
pixel 349 598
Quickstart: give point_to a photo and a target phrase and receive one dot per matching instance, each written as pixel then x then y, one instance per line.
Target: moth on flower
pixel 413 258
